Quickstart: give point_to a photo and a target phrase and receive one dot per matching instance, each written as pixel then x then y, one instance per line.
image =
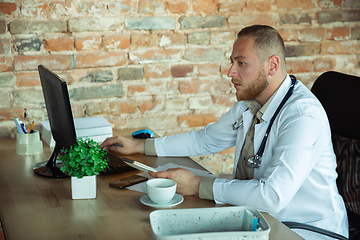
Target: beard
pixel 254 89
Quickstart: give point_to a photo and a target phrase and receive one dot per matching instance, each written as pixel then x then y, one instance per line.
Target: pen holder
pixel 28 144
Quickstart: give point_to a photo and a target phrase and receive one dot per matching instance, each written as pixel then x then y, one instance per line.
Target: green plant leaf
pixel 86 157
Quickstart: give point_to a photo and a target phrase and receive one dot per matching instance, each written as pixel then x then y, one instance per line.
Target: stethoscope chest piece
pixel 254 162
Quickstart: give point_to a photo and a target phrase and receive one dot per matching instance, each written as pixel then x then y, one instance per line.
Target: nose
pixel 232 73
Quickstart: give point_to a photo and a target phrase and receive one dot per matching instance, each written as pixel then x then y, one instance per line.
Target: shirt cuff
pixel 150 147
pixel 206 188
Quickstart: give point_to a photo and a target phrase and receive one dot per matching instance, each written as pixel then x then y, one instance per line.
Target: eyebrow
pixel 238 57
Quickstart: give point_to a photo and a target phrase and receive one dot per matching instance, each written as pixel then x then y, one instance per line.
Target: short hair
pixel 267 42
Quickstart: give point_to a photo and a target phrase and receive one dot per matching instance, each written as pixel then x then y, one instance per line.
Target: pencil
pixel 32 127
pixel 28 131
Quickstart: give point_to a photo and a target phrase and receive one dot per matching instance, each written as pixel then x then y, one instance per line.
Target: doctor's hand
pixel 127 146
pixel 187 182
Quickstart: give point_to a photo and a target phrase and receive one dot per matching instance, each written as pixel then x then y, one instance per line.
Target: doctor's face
pixel 246 72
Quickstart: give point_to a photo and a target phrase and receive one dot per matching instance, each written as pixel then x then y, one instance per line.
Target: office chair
pixel 340 96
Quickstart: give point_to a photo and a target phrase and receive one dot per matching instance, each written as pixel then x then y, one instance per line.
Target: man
pixel 295 177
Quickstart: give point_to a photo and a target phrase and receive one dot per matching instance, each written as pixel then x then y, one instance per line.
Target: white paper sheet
pixel 141 187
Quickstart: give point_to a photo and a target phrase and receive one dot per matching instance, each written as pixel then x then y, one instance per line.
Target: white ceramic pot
pixel 83 188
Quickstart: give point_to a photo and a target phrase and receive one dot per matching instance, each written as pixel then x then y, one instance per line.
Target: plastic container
pixel 28 144
pixel 207 223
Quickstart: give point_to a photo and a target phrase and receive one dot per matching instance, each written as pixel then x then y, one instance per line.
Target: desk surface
pixel 35 207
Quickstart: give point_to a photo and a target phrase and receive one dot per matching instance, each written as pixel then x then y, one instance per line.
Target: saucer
pixel 177 199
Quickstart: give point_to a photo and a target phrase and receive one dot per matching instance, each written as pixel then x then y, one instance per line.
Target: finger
pixel 110 141
pixel 163 174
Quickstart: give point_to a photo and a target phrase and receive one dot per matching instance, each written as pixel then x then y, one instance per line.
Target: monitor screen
pixel 59 112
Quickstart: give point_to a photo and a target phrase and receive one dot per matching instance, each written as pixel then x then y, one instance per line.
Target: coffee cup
pixel 161 190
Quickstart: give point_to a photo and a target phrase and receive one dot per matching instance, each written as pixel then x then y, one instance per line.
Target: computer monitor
pixel 60 118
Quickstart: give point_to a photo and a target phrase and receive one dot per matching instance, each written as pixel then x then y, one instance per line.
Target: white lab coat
pixel 297 177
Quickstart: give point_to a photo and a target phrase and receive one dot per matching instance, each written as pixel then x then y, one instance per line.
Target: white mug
pixel 161 190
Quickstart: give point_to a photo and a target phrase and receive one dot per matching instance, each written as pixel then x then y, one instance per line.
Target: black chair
pixel 339 94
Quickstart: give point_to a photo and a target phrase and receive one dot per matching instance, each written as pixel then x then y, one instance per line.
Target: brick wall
pixel 158 63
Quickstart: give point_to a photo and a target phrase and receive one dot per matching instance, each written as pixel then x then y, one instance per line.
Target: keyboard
pixel 116 165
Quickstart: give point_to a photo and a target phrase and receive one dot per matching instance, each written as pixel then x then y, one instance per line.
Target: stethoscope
pixel 255 161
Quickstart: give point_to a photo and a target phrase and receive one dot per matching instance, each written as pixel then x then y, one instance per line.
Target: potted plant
pixel 83 161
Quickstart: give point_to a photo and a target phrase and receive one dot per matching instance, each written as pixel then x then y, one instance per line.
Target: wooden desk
pixel 35 207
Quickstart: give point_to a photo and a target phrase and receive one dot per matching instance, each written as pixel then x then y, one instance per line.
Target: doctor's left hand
pixel 187 182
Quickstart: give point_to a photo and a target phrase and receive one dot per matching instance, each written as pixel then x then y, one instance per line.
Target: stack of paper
pixel 96 128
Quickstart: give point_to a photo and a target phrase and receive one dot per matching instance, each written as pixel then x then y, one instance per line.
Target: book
pixel 96 128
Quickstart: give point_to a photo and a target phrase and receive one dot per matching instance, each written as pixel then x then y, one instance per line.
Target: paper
pixel 141 187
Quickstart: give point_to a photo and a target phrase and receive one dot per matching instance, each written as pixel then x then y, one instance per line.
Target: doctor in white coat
pixel 284 161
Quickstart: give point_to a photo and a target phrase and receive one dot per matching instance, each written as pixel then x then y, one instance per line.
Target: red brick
pixel 324 64
pixel 179 71
pixel 119 123
pixel 5 64
pixel 54 62
pixel 7 8
pixel 116 42
pixel 156 71
pixel 188 86
pixel 218 86
pixel 288 35
pixel 149 105
pixel 159 55
pixel 312 35
pixel 123 6
pixel 117 108
pixel 171 39
pixel 136 88
pixel 329 3
pixel 229 6
pixel 253 18
pixel 349 47
pixel 179 6
pixel 28 79
pixel 287 5
pixel 338 33
pixel 256 5
pixel 88 43
pixel 62 9
pixel 100 59
pixel 299 66
pixel 197 120
pixel 209 69
pixel 224 68
pixel 153 6
pixel 7 114
pixel 224 100
pixel 59 44
pixel 40 10
pixel 144 40
pixel 208 6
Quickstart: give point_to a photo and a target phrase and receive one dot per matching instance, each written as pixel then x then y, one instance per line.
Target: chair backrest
pixel 340 96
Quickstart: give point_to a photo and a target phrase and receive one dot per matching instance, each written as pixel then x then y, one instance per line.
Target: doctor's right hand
pixel 124 145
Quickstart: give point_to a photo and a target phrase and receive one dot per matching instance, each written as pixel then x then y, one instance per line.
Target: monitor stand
pixel 50 168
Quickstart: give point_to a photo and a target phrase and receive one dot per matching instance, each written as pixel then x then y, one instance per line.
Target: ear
pixel 273 64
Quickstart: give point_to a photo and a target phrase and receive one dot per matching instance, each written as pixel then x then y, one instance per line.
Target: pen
pixel 118 144
pixel 18 126
pixel 23 128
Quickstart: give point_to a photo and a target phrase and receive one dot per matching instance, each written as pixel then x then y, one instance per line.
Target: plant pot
pixel 83 188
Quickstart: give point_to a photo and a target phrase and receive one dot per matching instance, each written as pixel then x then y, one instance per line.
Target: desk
pixel 35 207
